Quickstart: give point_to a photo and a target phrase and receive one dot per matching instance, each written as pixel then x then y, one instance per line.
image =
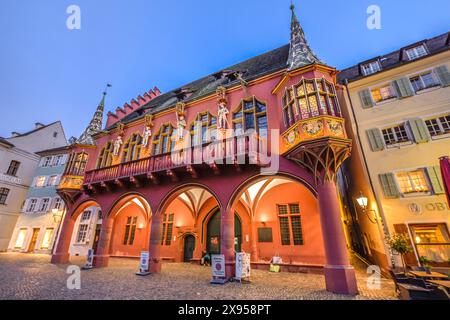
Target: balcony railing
pixel 244 147
pixel 312 129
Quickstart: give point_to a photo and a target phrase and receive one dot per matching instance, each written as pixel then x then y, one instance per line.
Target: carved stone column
pixel 101 259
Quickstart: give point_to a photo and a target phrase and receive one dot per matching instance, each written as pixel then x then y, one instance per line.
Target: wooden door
pixel 33 240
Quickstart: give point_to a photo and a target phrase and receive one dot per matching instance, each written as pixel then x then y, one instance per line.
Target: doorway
pixel 33 240
pixel 189 246
pixel 213 234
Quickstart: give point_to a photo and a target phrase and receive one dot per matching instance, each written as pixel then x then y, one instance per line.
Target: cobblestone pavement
pixel 24 276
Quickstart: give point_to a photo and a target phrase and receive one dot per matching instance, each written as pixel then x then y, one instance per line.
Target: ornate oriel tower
pixel 313 136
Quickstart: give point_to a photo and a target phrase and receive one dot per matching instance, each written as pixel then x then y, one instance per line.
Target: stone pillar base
pixel 341 280
pixel 155 266
pixel 101 261
pixel 60 258
pixel 230 270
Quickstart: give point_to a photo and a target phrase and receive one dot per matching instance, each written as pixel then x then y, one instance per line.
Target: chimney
pixel 15 134
pixel 38 125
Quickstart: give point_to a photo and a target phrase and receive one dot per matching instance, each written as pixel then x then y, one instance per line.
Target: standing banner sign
pixel 218 269
pixel 90 260
pixel 143 264
pixel 243 266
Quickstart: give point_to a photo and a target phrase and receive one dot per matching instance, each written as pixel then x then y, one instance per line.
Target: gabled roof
pixel 64 149
pixel 250 69
pixel 6 142
pixel 397 58
pixel 34 130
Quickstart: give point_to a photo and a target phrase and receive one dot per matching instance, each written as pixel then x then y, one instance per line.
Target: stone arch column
pixel 61 254
pixel 101 259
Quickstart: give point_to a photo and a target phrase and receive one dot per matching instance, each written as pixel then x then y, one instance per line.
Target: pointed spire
pixel 96 123
pixel 300 54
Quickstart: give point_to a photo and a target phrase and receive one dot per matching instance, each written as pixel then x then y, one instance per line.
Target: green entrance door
pixel 213 233
pixel 189 246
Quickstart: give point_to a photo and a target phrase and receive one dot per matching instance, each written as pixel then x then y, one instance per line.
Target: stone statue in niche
pixel 181 120
pixel 147 131
pixel 222 113
pixel 117 145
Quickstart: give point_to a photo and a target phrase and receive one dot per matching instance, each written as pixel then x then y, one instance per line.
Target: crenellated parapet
pixel 130 107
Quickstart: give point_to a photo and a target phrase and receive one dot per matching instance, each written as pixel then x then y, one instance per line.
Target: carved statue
pixel 181 120
pixel 117 145
pixel 146 137
pixel 223 111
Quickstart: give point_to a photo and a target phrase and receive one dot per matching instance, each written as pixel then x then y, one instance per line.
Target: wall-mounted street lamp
pixel 57 215
pixel 363 202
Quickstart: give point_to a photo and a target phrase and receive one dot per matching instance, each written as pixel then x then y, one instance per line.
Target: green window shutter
pixel 444 75
pixel 404 88
pixel 389 186
pixel 375 139
pixel 434 173
pixel 366 99
pixel 419 130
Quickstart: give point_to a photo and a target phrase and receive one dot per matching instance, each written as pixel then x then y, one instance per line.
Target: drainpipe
pixel 366 167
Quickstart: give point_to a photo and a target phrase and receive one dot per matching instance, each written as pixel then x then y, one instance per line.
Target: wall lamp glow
pixel 363 202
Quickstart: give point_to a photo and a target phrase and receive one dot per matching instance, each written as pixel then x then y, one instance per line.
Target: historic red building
pixel 243 159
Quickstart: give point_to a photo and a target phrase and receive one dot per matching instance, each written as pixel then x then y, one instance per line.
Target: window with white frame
pixel 395 135
pixel 57 160
pixel 411 182
pixel 31 205
pixel 438 126
pixel 47 162
pixel 82 233
pixel 43 206
pixel 86 216
pixel 59 204
pixel 416 52
pixel 52 181
pixel 370 68
pixel 47 238
pixel 40 181
pixel 383 93
pixel 424 81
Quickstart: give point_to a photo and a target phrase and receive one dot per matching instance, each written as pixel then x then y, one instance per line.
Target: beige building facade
pixel 398 107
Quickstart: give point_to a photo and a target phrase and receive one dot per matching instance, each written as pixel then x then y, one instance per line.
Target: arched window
pixel 105 158
pixel 163 142
pixel 77 164
pixel 251 114
pixel 132 148
pixel 204 129
pixel 310 98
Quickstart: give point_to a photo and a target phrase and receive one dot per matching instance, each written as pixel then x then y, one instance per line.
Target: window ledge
pixel 399 145
pixel 386 101
pixel 416 194
pixel 429 89
pixel 440 137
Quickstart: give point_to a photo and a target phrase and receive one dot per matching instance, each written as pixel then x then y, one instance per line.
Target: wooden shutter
pixel 434 173
pixel 404 88
pixel 389 186
pixel 443 75
pixel 375 139
pixel 410 258
pixel 419 130
pixel 366 99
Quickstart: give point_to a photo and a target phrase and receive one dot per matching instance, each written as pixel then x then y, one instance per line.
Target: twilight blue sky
pixel 50 73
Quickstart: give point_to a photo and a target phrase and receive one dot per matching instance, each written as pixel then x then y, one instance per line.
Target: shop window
pixel 105 158
pixel 265 235
pixel 290 224
pixel 130 231
pixel 3 195
pixel 413 182
pixel 20 238
pixel 163 141
pixel 132 148
pixel 167 229
pixel 383 93
pixel 432 241
pixel 47 238
pixel 395 135
pixel 250 115
pixel 204 129
pixel 438 126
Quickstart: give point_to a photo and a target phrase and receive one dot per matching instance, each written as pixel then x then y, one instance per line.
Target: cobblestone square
pixel 32 277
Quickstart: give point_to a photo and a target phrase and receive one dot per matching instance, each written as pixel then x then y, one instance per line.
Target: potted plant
pixel 426 263
pixel 400 243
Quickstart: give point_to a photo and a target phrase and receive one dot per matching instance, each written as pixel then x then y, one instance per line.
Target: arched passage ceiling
pixel 139 202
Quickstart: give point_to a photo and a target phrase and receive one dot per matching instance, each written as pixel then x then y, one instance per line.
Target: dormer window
pixel 370 68
pixel 416 52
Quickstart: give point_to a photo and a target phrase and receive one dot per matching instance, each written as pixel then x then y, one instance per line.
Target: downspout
pixel 372 188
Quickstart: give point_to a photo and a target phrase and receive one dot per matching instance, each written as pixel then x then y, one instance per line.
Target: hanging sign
pixel 143 264
pixel 242 265
pixel 90 260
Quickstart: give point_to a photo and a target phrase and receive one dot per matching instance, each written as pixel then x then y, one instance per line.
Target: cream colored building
pixel 398 111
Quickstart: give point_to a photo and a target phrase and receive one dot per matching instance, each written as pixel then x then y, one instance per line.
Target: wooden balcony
pixel 247 149
pixel 311 129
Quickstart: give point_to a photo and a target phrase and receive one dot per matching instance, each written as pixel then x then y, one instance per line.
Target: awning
pixel 445 169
